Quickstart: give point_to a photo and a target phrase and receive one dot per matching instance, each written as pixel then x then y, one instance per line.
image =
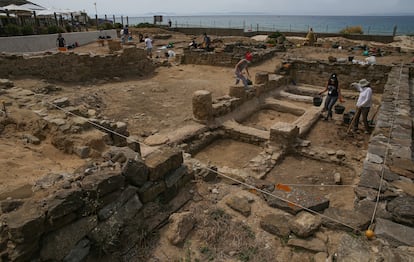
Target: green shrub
pixel 117 25
pixel 145 25
pixel 106 26
pixel 42 30
pixel 68 28
pixel 27 30
pixel 275 35
pixel 12 29
pixel 352 30
pixel 53 29
pixel 271 42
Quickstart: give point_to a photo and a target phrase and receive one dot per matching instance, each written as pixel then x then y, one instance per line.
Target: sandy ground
pixel 161 103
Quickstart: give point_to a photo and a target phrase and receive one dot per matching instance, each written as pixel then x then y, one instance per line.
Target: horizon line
pixel 256 13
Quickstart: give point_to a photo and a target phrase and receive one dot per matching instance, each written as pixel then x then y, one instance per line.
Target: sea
pixel 371 25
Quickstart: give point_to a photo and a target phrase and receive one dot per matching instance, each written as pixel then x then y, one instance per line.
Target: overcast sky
pixel 196 7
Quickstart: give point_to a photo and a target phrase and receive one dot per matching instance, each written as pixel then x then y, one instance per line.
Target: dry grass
pixel 225 238
pixel 349 30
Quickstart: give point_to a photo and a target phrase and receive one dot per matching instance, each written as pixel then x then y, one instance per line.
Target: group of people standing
pixel 126 35
pixel 363 104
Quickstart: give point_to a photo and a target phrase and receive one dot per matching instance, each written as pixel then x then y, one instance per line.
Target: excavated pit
pixel 227 152
pixel 264 119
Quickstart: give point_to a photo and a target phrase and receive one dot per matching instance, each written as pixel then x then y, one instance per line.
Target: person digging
pixel 241 66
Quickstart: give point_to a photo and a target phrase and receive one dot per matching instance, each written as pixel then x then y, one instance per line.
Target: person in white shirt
pixel 148 46
pixel 364 103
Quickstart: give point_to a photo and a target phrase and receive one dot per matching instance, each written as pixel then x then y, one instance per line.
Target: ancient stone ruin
pixel 108 207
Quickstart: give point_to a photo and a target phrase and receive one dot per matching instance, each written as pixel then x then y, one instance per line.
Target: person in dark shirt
pixel 60 41
pixel 334 92
pixel 206 42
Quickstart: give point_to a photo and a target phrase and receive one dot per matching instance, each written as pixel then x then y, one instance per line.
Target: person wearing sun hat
pixel 364 103
pixel 243 65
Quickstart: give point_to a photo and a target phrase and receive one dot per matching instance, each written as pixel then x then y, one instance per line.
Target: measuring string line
pixel 218 173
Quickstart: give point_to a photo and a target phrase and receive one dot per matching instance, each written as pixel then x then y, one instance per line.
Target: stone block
pixel 296 196
pixel 305 224
pixel 312 244
pixel 372 179
pixel 151 190
pixel 135 172
pixel 238 92
pixel 240 204
pixel 180 226
pixel 395 234
pixel 356 220
pixel 259 89
pixel 114 205
pixel 261 78
pixel 27 223
pixel 79 252
pixel 367 206
pixel 284 133
pixel 202 105
pixel 63 203
pixel 103 182
pixel 175 176
pixel 82 151
pixel 58 244
pixel 353 249
pixel 402 210
pixel 276 224
pixel 163 161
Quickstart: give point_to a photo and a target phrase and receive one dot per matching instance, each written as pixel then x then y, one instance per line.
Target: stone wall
pixel 390 155
pixel 90 210
pixel 318 73
pixel 226 58
pixel 71 67
pixel 374 38
pixel 240 32
pixel 209 31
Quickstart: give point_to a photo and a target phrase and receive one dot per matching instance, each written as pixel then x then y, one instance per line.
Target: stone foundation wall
pixel 240 32
pixel 71 67
pixel 237 95
pixel 390 155
pixel 318 73
pixel 90 210
pixel 230 59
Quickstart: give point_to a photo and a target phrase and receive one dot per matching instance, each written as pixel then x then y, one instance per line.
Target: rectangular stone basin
pixel 264 119
pixel 229 153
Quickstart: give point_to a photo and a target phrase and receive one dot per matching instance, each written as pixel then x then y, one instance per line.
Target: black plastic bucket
pixel 347 118
pixel 339 109
pixel 317 101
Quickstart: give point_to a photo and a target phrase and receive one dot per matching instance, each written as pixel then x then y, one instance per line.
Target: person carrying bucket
pixel 243 65
pixel 334 93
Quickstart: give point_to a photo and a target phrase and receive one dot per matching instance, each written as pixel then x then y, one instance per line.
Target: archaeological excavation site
pixel 108 155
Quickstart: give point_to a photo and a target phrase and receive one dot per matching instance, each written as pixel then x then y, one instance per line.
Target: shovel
pixel 353 120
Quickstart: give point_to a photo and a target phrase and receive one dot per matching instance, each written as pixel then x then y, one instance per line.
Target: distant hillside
pixel 13 2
